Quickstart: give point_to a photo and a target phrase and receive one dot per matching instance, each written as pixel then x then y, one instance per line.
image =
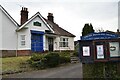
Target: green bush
pixel 37 57
pixel 39 64
pixel 64 59
pixel 52 59
pixel 41 61
pixel 64 54
pixel 101 70
pixel 75 53
pixel 37 61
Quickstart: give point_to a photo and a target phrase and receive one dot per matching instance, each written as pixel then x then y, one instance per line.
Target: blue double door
pixel 36 42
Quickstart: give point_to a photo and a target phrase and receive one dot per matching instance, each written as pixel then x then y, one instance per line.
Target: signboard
pixel 100 52
pixel 101 35
pixel 114 49
pixel 86 51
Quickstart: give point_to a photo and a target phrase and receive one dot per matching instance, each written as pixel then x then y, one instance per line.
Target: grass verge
pixel 15 64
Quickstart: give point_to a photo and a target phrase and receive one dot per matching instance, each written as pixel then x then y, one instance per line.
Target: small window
pixel 36 23
pixel 22 40
pixel 63 42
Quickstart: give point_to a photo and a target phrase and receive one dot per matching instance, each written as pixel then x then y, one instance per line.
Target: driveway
pixel 66 71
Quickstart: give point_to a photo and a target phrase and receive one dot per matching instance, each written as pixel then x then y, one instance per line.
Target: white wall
pixel 9 37
pixel 0 29
pixel 27 34
pixel 42 28
pixel 56 43
pixel 45 42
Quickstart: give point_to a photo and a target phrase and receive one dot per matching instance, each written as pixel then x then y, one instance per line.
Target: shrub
pixel 39 64
pixel 64 54
pixel 75 53
pixel 52 59
pixel 101 70
pixel 64 59
pixel 37 61
pixel 37 57
pixel 41 61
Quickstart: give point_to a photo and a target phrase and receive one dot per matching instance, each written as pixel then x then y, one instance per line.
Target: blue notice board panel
pixel 101 35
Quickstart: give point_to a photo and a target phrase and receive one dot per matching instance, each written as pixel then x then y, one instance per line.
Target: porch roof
pixel 36 32
pixel 51 35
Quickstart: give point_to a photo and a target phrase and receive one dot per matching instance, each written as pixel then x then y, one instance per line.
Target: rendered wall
pixel 70 43
pixel 9 36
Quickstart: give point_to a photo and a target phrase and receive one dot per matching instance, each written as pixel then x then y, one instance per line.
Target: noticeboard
pixel 92 51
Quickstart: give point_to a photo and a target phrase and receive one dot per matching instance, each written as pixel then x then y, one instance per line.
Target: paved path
pixel 67 71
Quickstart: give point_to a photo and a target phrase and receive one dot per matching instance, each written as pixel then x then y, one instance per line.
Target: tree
pixel 87 29
pixel 99 30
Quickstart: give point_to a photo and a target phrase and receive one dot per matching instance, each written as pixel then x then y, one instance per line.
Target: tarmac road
pixel 68 71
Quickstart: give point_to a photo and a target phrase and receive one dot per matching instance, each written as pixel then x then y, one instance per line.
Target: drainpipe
pixel 59 44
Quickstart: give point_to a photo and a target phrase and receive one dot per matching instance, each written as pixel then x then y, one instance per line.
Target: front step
pixel 74 59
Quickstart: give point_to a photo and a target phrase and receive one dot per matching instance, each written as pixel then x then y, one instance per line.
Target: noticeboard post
pixel 99 47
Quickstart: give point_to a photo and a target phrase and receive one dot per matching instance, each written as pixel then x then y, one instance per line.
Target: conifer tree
pixel 87 29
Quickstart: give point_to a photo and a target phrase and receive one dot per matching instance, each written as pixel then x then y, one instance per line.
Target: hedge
pixel 101 70
pixel 41 61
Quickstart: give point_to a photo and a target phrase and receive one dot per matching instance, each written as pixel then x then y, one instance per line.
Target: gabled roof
pixel 30 19
pixel 8 15
pixel 51 25
pixel 58 30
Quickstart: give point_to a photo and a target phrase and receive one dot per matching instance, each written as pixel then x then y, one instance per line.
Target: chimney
pixel 24 15
pixel 50 17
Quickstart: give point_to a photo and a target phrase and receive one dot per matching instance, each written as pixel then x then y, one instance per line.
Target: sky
pixel 71 15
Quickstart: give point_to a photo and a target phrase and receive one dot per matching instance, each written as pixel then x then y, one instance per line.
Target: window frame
pixel 63 42
pixel 22 40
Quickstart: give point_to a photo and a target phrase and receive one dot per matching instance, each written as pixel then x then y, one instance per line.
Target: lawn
pixel 15 64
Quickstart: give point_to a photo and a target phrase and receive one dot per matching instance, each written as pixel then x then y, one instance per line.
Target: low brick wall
pixel 23 52
pixel 13 53
pixel 8 53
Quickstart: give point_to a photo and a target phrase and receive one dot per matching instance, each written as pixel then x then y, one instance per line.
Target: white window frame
pixel 23 40
pixel 63 42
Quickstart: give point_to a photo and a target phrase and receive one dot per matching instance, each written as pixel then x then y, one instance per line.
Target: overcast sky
pixel 70 14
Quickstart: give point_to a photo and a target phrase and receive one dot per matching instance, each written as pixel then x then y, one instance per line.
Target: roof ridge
pixel 8 15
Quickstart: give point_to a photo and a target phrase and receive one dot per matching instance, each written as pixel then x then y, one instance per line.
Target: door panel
pixel 37 43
